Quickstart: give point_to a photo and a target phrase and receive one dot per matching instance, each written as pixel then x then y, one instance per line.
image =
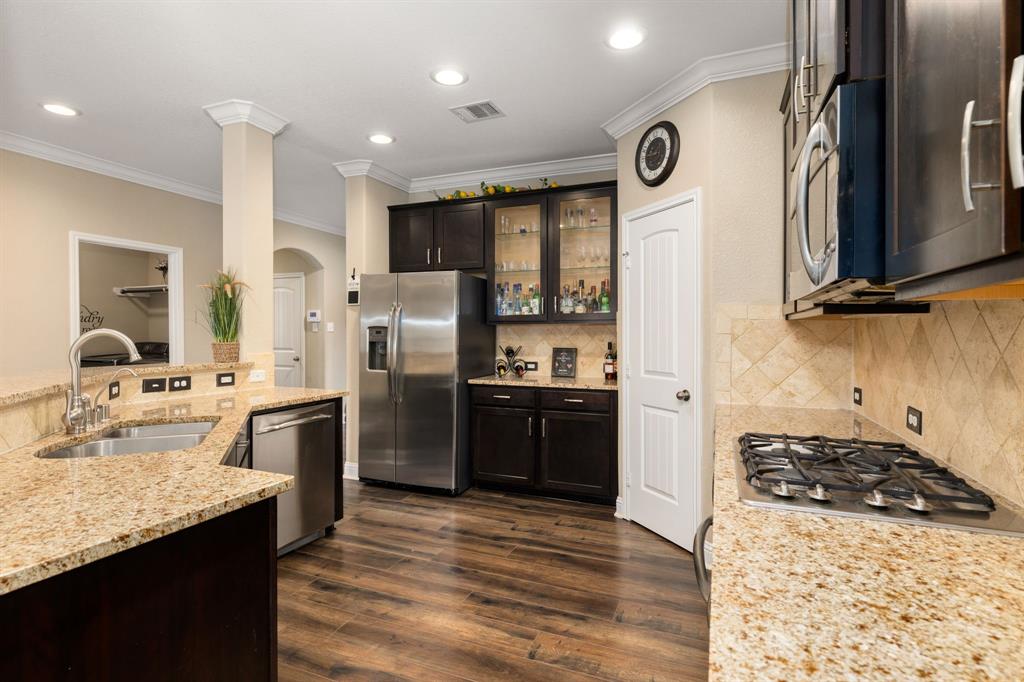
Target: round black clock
pixel 657 153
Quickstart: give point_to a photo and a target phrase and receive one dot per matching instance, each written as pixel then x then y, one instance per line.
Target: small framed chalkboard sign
pixel 563 362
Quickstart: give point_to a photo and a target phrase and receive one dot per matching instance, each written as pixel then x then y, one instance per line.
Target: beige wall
pixel 101 268
pixel 731 150
pixel 366 228
pixel 40 203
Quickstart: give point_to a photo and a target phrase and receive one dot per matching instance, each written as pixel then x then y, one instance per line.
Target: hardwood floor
pixel 487 586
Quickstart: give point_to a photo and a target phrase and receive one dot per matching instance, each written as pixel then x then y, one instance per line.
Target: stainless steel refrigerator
pixel 421 335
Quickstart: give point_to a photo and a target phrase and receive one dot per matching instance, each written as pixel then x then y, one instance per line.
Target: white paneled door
pixel 289 329
pixel 660 362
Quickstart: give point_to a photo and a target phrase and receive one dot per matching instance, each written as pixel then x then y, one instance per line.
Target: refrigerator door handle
pixel 396 372
pixel 389 359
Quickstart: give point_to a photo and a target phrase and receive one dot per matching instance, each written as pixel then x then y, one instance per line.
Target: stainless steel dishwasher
pixel 299 442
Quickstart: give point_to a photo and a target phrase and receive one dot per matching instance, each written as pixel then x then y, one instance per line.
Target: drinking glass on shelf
pixel 593 216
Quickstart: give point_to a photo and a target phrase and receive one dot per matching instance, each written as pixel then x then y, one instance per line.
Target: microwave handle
pixel 817 138
pixel 1013 123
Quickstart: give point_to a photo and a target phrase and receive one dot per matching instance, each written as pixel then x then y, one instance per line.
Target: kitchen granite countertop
pixel 798 596
pixel 589 383
pixel 58 514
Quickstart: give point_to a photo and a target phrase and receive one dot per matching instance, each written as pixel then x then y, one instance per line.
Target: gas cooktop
pixel 864 479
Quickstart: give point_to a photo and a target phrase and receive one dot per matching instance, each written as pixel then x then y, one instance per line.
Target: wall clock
pixel 657 153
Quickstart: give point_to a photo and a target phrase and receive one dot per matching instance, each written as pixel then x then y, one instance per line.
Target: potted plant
pixel 224 314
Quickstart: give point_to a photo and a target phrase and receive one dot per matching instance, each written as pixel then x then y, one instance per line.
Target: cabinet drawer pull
pixel 428 256
pixel 439 255
pixel 543 427
pixel 573 400
pixel 502 397
pixel 529 426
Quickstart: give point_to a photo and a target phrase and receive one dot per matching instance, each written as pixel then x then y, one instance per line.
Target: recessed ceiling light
pixel 61 109
pixel 449 77
pixel 381 138
pixel 626 37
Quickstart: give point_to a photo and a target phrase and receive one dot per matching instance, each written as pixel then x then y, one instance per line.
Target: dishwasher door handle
pixel 294 422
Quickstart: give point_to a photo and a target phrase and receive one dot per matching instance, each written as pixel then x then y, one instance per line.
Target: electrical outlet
pixel 858 396
pixel 531 366
pixel 226 379
pixel 154 385
pixel 258 375
pixel 915 420
pixel 180 383
pixel 113 390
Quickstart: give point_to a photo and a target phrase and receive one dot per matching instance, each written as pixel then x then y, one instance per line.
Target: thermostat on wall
pixel 312 316
pixel 353 291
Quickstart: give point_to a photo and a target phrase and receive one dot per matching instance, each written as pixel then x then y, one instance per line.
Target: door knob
pixel 683 395
pixel 296 358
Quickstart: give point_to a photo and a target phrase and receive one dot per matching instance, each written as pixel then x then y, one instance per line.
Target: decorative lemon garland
pixel 491 190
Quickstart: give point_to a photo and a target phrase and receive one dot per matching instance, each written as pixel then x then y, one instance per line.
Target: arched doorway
pixel 299 346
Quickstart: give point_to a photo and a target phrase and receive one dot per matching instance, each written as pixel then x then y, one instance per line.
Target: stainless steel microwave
pixel 835 227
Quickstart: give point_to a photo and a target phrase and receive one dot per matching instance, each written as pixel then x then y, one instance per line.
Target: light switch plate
pixel 258 375
pixel 154 385
pixel 330 326
pixel 113 390
pixel 226 379
pixel 179 383
pixel 858 396
pixel 531 366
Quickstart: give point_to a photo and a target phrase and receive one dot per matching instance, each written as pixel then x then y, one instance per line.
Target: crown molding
pixel 522 171
pixel 355 167
pixel 68 157
pixel 241 111
pixel 703 72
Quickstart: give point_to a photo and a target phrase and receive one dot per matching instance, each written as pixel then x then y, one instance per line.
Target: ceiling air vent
pixel 477 111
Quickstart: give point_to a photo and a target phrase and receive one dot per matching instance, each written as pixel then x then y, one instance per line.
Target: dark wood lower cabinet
pixel 575 450
pixel 200 604
pixel 504 445
pixel 566 445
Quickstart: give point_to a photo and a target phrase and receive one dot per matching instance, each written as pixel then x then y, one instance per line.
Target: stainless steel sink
pixel 127 446
pixel 148 430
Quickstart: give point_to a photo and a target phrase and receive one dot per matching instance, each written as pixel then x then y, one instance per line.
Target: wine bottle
pixel 610 364
pixel 606 299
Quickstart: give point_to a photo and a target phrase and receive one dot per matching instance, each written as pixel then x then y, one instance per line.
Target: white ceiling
pixel 141 71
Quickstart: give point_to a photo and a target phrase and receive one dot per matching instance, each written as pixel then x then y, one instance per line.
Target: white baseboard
pixel 620 511
pixel 351 471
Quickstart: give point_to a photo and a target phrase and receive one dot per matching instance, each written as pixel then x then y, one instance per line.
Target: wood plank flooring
pixel 487 586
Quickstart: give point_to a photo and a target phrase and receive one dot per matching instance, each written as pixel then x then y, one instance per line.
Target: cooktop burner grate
pixel 879 471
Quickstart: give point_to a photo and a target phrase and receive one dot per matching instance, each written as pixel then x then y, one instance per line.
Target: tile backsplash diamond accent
pixel 537 340
pixel 963 365
pixel 763 359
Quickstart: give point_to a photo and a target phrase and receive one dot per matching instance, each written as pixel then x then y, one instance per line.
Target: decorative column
pixel 247 164
pixel 369 190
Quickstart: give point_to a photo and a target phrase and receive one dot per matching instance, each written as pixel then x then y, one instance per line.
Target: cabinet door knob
pixel 683 395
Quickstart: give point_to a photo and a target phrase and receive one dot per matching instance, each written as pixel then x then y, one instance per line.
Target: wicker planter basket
pixel 225 351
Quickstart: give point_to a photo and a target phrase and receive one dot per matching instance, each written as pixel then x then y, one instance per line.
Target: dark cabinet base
pixel 200 604
pixel 551 442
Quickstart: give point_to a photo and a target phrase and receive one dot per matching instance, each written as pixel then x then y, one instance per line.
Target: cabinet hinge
pixel 628 479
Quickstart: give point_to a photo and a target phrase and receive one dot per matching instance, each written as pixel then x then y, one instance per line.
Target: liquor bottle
pixel 507 308
pixel 611 365
pixel 606 299
pixel 566 300
pixel 578 305
pixel 537 299
pixel 595 302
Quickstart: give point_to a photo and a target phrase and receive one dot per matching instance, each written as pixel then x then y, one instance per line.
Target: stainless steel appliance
pixel 299 442
pixel 863 479
pixel 835 235
pixel 422 335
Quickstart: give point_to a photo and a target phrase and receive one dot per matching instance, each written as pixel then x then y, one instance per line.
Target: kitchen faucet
pixel 76 412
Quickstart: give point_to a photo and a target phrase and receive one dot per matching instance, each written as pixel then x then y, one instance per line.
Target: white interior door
pixel 660 348
pixel 289 329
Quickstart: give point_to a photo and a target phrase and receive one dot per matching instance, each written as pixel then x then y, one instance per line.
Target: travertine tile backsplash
pixel 963 365
pixel 537 340
pixel 763 359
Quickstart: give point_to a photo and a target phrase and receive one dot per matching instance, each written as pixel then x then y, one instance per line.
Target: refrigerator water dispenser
pixel 377 348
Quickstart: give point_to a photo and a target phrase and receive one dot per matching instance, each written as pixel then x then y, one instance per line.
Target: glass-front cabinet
pixel 516 259
pixel 551 257
pixel 581 242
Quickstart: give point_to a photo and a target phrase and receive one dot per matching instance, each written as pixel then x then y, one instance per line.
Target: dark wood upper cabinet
pixel 951 201
pixel 504 445
pixel 411 240
pixel 582 241
pixel 576 453
pixel 459 237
